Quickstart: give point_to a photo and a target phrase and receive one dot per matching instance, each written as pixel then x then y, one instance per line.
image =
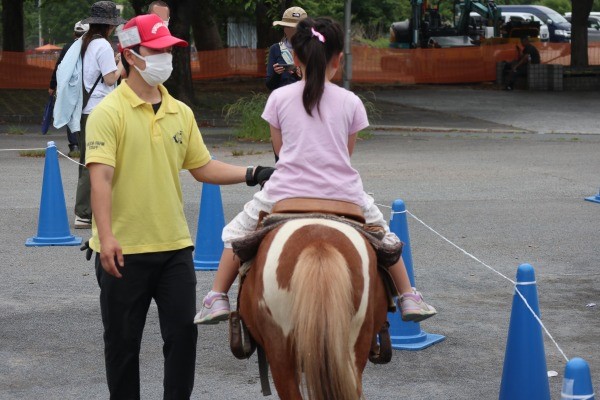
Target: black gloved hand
pixel 88 250
pixel 258 175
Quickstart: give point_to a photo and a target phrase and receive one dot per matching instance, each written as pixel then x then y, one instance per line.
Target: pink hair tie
pixel 318 35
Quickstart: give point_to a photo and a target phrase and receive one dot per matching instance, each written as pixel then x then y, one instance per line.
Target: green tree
pixel 57 19
pixel 206 29
pixel 180 82
pixel 579 34
pixel 12 25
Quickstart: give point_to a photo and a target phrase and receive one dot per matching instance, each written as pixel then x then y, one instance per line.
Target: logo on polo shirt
pixel 178 137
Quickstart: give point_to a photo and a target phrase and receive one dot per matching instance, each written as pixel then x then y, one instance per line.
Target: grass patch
pixel 240 153
pixel 33 153
pixel 380 43
pixel 372 111
pixel 16 130
pixel 365 135
pixel 247 111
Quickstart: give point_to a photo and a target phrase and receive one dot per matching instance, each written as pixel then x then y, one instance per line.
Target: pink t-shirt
pixel 314 159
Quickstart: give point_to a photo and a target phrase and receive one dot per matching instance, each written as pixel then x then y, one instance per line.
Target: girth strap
pixel 263 369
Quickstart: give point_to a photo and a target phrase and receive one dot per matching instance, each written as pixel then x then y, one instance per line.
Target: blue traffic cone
pixel 594 199
pixel 406 335
pixel 53 224
pixel 525 376
pixel 577 383
pixel 211 221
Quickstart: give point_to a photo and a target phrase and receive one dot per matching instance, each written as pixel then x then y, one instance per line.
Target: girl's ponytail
pixel 315 42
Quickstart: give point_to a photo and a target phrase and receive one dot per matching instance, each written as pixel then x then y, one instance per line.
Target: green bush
pixel 247 111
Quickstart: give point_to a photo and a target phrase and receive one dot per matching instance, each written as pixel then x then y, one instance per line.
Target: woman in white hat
pixel 281 70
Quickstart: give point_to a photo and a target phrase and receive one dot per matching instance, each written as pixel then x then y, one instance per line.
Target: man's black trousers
pixel 168 278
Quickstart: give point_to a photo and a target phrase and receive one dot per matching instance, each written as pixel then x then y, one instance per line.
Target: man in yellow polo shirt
pixel 138 139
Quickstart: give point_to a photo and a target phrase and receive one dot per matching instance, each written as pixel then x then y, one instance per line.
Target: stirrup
pixel 241 343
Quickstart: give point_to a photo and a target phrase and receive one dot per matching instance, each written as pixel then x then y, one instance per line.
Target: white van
pixel 523 16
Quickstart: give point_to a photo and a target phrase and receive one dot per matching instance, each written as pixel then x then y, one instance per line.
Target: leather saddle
pixel 304 205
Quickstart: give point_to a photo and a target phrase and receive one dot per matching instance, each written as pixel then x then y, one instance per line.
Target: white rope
pixel 462 250
pixel 43 148
pixel 492 269
pixel 69 158
pixel 541 323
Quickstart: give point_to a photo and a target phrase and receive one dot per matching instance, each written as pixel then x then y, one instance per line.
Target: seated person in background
pixel 528 55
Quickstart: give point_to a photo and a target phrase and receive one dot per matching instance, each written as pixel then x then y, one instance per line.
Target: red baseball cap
pixel 147 30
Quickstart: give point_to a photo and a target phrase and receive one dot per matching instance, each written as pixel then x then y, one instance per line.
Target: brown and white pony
pixel 314 301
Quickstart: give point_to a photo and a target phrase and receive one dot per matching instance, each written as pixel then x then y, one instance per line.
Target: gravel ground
pixel 505 197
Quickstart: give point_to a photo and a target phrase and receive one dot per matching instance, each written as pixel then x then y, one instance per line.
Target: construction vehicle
pixel 425 28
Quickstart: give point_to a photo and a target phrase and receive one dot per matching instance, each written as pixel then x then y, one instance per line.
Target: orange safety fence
pixel 233 61
pixel 369 65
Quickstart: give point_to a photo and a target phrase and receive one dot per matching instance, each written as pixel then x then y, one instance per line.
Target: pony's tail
pixel 322 311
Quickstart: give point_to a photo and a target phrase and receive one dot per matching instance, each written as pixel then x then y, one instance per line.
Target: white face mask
pixel 158 67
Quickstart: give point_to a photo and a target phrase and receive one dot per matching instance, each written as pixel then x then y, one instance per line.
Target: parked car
pixel 544 34
pixel 593 26
pixel 593 21
pixel 522 16
pixel 558 27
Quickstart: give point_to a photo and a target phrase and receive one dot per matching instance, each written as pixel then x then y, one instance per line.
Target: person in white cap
pixel 139 139
pixel 281 70
pixel 78 30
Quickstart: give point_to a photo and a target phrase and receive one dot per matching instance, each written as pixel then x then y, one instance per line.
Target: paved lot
pixel 481 108
pixel 505 197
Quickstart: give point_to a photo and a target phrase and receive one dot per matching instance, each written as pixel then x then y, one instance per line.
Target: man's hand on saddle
pixel 258 175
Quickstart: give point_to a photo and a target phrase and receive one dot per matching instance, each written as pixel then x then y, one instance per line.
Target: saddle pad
pixel 387 255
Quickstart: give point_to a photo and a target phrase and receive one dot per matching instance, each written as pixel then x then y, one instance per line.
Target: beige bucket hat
pixel 291 17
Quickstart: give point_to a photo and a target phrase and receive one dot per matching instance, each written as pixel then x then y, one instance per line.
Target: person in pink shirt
pixel 314 124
